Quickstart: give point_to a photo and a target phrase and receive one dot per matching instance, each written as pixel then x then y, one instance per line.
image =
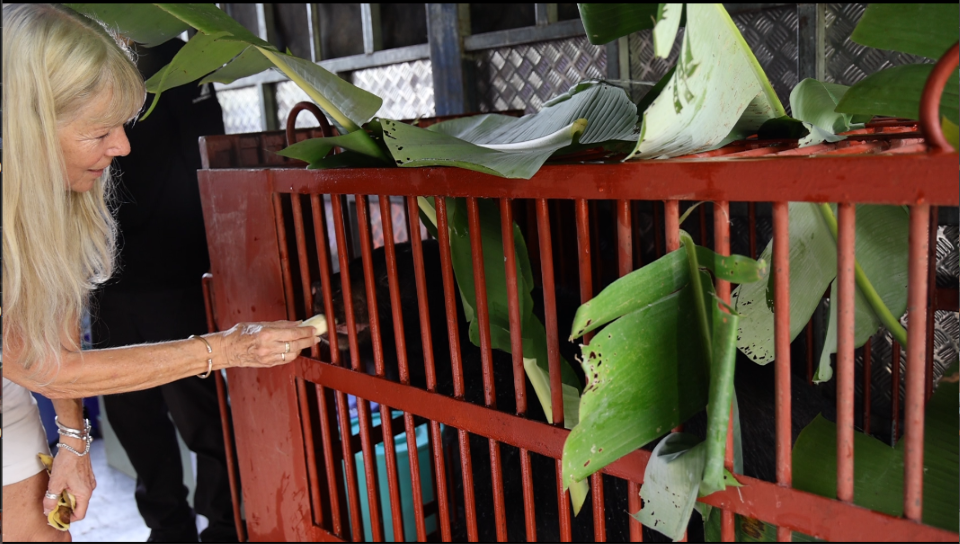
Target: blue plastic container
pixel 406 486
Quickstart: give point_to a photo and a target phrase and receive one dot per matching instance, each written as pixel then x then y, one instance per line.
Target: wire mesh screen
pixel 241 110
pixel 848 62
pixel 525 76
pixel 770 33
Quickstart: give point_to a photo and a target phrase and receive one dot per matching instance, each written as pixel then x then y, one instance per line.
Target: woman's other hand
pixel 262 345
pixel 73 473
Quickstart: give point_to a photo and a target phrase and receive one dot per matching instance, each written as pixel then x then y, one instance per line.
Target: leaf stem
pixel 866 288
pixel 705 332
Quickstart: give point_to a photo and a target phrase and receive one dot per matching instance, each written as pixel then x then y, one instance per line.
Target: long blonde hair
pixel 57 244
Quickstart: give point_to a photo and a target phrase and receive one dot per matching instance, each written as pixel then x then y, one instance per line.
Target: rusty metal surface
pixel 242 237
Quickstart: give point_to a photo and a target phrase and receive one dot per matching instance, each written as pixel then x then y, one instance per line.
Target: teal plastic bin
pixel 403 474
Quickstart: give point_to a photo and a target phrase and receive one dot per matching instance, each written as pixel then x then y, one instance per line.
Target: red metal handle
pixel 315 110
pixel 930 100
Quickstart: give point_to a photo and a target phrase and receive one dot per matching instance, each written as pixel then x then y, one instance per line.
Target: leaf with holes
pixel 671 483
pixel 717 93
pixel 881 251
pixel 645 375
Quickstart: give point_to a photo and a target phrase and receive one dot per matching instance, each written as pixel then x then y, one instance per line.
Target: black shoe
pixel 182 534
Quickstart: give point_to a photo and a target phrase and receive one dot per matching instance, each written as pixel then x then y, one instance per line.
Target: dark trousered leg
pixel 141 422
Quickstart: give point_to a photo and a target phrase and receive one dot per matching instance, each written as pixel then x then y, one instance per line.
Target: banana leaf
pixel 951 132
pixel 718 91
pixel 142 23
pixel 658 279
pixel 919 29
pixel 665 31
pixel 645 375
pixel 347 105
pixel 203 54
pixel 878 468
pixel 813 103
pixel 315 150
pixel 670 484
pixel 209 19
pixel 896 92
pixel 604 23
pixel 517 147
pixel 248 63
pixel 881 238
pixel 646 372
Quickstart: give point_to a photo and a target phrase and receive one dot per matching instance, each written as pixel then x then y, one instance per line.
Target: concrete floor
pixel 112 515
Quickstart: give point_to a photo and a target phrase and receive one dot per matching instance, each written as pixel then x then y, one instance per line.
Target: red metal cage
pixel 268 228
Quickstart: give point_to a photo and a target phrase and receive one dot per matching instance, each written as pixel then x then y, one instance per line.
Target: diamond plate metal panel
pixel 771 35
pixel 948 259
pixel 644 66
pixel 848 62
pixel 406 88
pixel 525 76
pixel 241 110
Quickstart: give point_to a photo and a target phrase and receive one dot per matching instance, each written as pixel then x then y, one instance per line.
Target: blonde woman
pixel 69 87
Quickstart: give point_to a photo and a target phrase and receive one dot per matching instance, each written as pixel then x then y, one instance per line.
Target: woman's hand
pixel 262 345
pixel 73 473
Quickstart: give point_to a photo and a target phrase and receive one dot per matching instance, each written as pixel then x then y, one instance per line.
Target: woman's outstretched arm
pixel 131 368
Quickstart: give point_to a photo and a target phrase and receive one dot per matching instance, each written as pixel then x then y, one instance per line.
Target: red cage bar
pixel 292 424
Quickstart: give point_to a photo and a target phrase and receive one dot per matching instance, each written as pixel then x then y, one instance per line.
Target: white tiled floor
pixel 112 515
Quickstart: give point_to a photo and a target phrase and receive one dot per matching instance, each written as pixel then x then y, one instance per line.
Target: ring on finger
pixel 283 357
pixel 51 496
pixel 287 344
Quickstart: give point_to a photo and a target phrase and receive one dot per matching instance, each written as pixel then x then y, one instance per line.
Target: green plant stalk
pixel 725 324
pixel 705 332
pixel 321 100
pixel 863 283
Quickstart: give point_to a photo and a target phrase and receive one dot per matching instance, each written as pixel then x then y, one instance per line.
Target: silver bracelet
pixel 64 430
pixel 209 351
pixel 77 434
pixel 67 447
